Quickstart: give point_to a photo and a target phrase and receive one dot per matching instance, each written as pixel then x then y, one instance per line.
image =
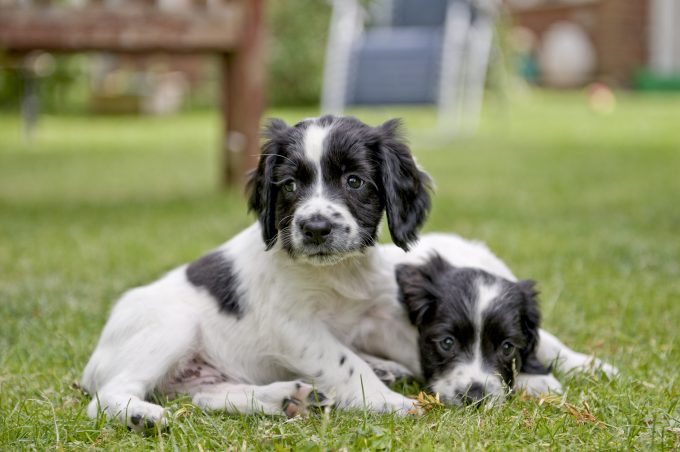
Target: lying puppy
pixel 248 327
pixel 476 331
pixel 464 325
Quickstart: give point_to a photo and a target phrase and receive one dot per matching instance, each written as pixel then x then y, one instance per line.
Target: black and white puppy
pixel 462 322
pixel 477 331
pixel 251 326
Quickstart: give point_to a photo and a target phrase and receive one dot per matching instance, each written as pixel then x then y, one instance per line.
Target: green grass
pixel 586 204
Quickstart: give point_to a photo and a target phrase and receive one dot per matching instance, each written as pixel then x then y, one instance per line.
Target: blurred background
pixel 340 53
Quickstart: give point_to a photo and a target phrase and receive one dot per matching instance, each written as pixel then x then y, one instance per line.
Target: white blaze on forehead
pixel 314 140
pixel 473 371
pixel 486 294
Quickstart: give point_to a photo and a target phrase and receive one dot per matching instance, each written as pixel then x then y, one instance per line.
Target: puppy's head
pixel 321 188
pixel 476 330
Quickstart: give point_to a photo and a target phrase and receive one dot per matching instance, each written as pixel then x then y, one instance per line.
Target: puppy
pixel 476 331
pixel 459 320
pixel 259 322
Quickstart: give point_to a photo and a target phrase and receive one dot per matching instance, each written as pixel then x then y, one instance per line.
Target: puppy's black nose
pixel 474 394
pixel 316 229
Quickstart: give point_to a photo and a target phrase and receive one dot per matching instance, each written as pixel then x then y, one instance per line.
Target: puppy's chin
pixel 326 259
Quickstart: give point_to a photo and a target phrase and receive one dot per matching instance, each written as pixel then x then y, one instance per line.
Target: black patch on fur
pixel 215 273
pixel 351 371
pixel 342 359
pixel 441 302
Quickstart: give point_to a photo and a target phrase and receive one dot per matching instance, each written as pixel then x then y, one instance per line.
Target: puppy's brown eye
pixel 289 186
pixel 354 182
pixel 447 343
pixel 507 349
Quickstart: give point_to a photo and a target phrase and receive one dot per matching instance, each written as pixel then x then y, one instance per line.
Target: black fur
pixel 405 187
pixel 531 318
pixel 263 190
pixel 393 183
pixel 441 302
pixel 215 273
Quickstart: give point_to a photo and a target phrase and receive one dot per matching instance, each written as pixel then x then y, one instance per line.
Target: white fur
pixel 315 135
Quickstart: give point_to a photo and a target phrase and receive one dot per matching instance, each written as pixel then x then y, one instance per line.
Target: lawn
pixel 587 204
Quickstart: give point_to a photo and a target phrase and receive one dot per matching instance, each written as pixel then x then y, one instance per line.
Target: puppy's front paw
pixel 389 372
pixel 392 403
pixel 146 417
pixel 535 385
pixel 610 371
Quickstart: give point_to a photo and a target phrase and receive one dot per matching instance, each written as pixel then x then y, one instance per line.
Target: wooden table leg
pixel 243 74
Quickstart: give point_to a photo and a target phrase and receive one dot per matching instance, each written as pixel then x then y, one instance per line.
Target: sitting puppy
pixel 476 331
pixel 250 327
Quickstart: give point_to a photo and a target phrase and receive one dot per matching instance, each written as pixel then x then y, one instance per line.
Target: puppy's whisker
pixel 279 155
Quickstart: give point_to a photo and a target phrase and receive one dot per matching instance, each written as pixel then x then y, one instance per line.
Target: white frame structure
pixel 467 46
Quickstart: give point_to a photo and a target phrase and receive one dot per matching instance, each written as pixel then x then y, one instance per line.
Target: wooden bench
pixel 232 29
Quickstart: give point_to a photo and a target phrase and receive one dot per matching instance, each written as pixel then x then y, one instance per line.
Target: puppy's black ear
pixel 405 187
pixel 262 192
pixel 531 321
pixel 419 291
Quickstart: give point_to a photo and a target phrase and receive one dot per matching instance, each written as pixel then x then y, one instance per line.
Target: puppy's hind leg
pixel 290 398
pixel 388 371
pixel 138 348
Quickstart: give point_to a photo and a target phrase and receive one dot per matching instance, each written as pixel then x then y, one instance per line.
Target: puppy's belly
pixel 246 350
pixel 192 377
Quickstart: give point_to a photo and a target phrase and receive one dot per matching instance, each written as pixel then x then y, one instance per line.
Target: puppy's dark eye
pixel 289 186
pixel 354 182
pixel 447 343
pixel 507 348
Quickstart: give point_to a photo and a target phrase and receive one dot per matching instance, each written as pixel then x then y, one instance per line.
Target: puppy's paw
pixel 304 397
pixel 593 366
pixel 389 372
pixel 535 385
pixel 392 403
pixel 146 417
pixel 610 371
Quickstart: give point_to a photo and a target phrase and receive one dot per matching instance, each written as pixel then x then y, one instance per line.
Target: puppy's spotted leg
pixel 336 369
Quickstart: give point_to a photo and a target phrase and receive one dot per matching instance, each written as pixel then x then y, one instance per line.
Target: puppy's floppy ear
pixel 262 190
pixel 418 288
pixel 531 320
pixel 405 186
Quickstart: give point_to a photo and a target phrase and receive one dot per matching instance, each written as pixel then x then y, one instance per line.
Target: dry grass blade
pixel 427 402
pixel 582 415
